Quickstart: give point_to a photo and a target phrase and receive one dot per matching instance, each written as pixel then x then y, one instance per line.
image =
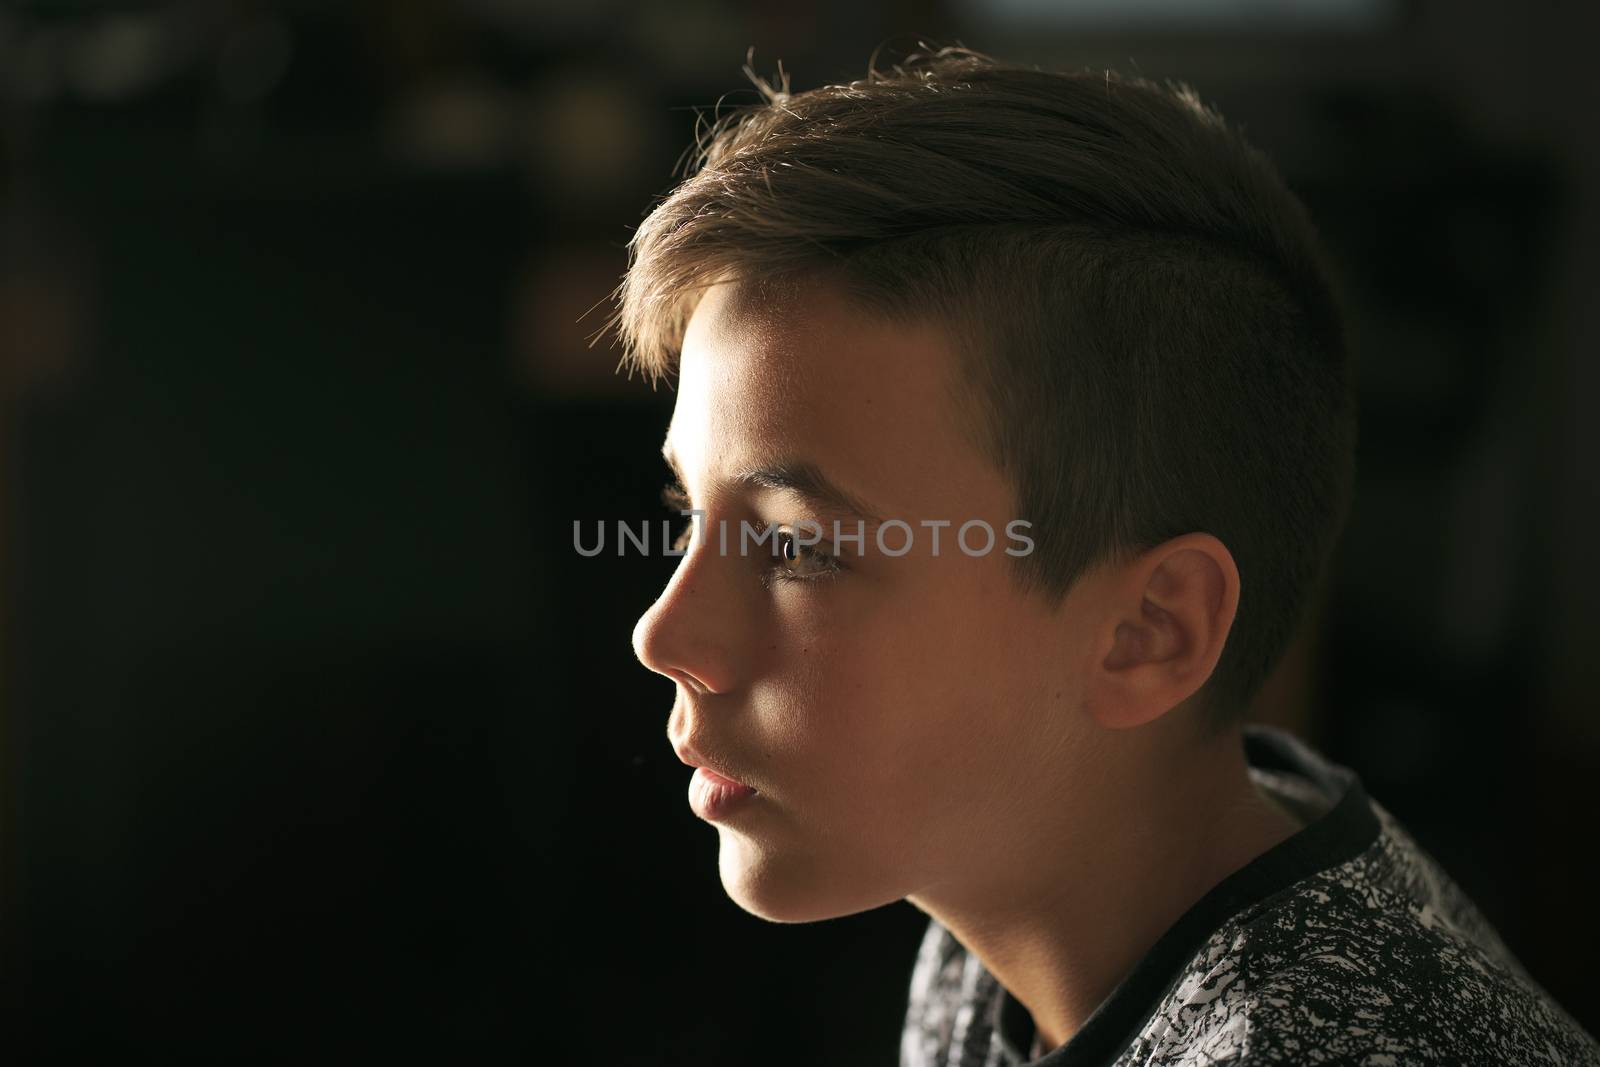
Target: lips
pixel 716 799
pixel 692 758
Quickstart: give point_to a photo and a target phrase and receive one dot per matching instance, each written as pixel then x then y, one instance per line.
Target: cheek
pixel 907 714
pixel 920 692
pixel 891 747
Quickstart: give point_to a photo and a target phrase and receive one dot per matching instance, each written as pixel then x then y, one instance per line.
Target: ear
pixel 1166 620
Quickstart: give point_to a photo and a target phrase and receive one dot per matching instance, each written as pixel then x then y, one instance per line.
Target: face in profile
pixel 902 718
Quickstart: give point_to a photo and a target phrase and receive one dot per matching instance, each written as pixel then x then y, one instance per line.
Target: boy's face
pixel 905 721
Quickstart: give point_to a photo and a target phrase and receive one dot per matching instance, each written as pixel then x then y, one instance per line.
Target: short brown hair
pixel 1150 336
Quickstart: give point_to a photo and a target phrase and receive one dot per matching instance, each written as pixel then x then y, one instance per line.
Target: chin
pixel 787 889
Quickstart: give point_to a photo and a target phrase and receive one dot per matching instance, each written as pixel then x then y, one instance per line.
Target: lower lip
pixel 713 796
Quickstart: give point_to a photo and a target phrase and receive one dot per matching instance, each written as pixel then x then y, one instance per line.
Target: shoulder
pixel 1438 1006
pixel 1379 960
pixel 1384 960
pixel 1327 990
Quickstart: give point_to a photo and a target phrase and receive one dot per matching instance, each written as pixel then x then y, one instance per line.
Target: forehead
pixel 807 374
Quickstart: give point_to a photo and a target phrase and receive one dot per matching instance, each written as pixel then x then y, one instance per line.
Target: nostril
pixel 687 680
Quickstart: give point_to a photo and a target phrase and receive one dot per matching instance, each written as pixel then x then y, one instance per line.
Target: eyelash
pixel 828 566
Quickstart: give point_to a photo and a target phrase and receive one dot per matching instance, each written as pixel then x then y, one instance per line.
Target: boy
pixel 1030 392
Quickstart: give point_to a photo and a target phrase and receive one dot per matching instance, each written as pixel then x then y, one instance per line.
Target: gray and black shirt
pixel 1344 944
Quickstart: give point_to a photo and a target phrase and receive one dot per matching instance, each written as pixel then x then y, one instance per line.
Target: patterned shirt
pixel 1345 944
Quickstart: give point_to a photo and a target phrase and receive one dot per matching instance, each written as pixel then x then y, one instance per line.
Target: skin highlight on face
pixel 850 702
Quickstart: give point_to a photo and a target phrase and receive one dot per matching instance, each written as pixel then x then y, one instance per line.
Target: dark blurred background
pixel 318 740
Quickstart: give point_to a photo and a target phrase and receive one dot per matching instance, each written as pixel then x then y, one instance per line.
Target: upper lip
pixel 688 755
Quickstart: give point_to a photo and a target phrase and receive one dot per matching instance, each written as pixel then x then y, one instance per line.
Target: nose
pixel 686 635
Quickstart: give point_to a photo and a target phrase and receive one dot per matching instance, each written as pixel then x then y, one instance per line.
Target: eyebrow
pixel 798 476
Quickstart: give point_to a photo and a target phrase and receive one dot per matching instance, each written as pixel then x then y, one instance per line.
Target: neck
pixel 1101 879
